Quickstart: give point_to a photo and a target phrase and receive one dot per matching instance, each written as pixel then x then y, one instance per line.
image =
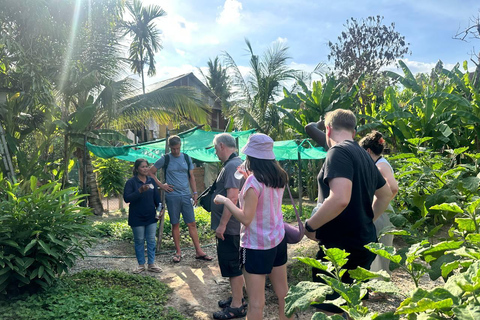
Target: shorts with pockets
pixel 228 252
pixel 177 204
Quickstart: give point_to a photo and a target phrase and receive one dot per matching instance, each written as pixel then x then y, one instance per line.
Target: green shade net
pixel 198 144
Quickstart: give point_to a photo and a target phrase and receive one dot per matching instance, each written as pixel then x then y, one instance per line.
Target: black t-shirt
pixel 353 228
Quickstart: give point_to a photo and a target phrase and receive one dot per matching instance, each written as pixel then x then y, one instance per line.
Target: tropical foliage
pixel 254 95
pixel 43 233
pixel 146 37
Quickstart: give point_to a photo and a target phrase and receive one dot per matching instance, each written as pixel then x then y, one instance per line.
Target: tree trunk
pixel 66 160
pixel 94 200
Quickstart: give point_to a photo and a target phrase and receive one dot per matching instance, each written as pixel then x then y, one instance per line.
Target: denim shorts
pixel 228 252
pixel 263 261
pixel 177 204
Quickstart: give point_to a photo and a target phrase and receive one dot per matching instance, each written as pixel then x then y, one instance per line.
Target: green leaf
pixel 29 246
pixel 467 312
pixel 45 247
pixel 11 243
pixel 473 206
pixel 313 263
pixel 443 246
pixel 41 269
pixel 465 224
pixel 452 207
pixel 422 301
pixel 336 255
pixel 473 238
pixel 386 252
pixel 305 293
pixel 362 274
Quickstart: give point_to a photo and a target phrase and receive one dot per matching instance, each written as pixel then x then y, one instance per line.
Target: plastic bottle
pixel 238 174
pixel 159 211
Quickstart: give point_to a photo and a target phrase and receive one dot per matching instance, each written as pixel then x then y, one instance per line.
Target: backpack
pixel 167 161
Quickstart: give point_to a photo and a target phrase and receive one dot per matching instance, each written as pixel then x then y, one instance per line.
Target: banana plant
pixel 426 107
pixel 309 105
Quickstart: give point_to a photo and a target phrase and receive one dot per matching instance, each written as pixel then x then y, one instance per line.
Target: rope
pixel 156 253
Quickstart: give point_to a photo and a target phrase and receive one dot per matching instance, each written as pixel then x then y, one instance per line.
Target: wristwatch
pixel 308 228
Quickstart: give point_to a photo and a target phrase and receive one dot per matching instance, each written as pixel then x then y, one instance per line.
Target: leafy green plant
pixel 111 174
pixel 95 294
pixel 118 229
pixel 306 293
pixel 43 233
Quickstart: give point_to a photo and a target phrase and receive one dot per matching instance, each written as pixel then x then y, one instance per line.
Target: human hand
pixel 144 188
pixel 219 199
pixel 195 199
pixel 311 235
pixel 220 231
pixel 167 187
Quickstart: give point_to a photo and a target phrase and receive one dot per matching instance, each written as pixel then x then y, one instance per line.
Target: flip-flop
pixel 177 258
pixel 205 257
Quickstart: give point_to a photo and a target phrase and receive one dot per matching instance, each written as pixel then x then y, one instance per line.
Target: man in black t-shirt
pixel 348 182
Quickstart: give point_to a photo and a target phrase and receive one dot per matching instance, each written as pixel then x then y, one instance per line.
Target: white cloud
pixel 230 13
pixel 418 66
pixel 281 40
pixel 180 52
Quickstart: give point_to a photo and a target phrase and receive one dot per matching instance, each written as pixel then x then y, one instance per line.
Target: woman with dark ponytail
pixel 374 144
pixel 141 193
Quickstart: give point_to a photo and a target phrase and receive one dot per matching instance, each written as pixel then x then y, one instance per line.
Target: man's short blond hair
pixel 341 119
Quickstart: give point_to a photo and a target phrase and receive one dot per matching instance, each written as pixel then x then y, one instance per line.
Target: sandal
pixel 177 258
pixel 227 302
pixel 154 268
pixel 139 269
pixel 204 257
pixel 230 313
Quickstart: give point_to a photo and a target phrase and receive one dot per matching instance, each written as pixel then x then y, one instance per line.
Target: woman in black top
pixel 144 198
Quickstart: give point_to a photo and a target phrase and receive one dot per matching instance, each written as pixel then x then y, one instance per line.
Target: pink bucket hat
pixel 259 146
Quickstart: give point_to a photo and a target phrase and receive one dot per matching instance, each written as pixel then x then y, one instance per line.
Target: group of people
pixel 356 185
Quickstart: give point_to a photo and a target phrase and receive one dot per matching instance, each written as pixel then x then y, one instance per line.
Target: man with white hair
pixel 227 228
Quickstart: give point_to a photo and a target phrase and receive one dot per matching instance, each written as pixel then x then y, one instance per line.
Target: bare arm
pixel 337 201
pixel 313 129
pixel 246 215
pixel 153 173
pixel 232 194
pixel 193 185
pixel 388 176
pixel 381 200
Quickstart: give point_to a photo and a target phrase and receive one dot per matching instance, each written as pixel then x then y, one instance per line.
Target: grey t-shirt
pixel 177 173
pixel 226 180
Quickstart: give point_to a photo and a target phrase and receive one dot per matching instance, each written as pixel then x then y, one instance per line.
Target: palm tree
pixel 218 81
pixel 96 101
pixel 254 98
pixel 146 37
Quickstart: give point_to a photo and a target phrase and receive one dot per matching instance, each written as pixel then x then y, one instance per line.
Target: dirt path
pixel 197 285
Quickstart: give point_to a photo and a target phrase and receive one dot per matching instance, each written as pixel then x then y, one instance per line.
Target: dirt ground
pixel 197 285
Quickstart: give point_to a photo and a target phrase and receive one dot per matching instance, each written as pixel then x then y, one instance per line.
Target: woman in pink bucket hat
pixel 262 236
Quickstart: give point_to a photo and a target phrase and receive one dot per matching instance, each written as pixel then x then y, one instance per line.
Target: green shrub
pixel 96 294
pixel 289 212
pixel 118 229
pixel 42 234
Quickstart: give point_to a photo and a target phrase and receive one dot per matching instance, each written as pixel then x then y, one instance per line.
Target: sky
pixel 195 31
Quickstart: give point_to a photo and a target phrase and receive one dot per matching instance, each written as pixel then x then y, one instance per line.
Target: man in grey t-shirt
pixel 178 177
pixel 227 228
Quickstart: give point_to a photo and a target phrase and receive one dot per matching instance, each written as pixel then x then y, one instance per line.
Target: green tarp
pixel 198 144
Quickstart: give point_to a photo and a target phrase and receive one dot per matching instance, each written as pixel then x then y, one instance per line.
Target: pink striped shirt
pixel 266 229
